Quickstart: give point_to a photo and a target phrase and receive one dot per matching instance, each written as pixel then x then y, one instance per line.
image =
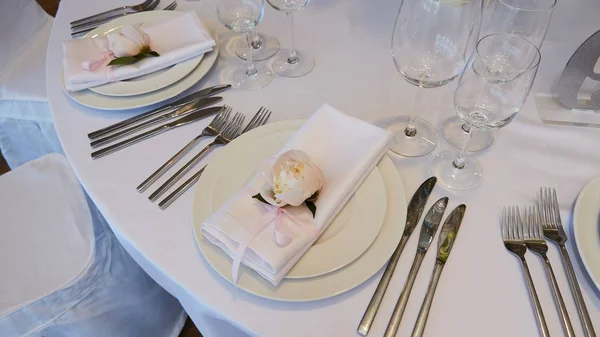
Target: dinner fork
pixel 534 240
pixel 554 231
pixel 513 237
pixel 231 130
pixel 129 9
pixel 212 130
pixel 258 120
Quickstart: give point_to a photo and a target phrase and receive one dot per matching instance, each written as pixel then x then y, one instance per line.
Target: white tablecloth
pixel 482 291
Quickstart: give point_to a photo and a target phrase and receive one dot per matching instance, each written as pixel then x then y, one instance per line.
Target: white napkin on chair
pixel 176 40
pixel 345 149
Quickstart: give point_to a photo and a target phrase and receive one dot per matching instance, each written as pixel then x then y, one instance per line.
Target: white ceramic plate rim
pixel 329 285
pixel 360 224
pixel 586 223
pixel 96 101
pixel 155 81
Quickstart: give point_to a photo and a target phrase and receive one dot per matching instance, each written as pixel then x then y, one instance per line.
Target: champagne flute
pixel 263 46
pixel 491 91
pixel 242 16
pixel 527 18
pixel 291 62
pixel 430 44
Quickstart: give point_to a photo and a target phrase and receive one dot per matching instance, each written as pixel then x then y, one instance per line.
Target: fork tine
pixel 503 226
pixel 556 209
pixel 538 223
pixel 519 224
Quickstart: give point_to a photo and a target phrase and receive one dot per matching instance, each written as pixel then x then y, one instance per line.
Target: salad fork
pixel 259 119
pixel 212 130
pixel 513 237
pixel 231 130
pixel 129 9
pixel 554 231
pixel 534 240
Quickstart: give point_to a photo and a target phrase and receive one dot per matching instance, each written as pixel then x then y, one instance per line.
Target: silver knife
pixel 210 91
pixel 415 209
pixel 445 243
pixel 190 118
pixel 184 110
pixel 428 231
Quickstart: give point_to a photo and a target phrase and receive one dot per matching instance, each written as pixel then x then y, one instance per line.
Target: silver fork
pixel 231 130
pixel 554 231
pixel 130 9
pixel 534 240
pixel 513 237
pixel 212 130
pixel 259 119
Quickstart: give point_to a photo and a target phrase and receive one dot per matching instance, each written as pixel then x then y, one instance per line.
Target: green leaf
pixel 153 53
pixel 314 196
pixel 259 197
pixel 123 60
pixel 312 207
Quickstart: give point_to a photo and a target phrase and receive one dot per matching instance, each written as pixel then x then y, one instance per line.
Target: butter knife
pixel 428 230
pixel 194 116
pixel 445 243
pixel 415 209
pixel 180 112
pixel 210 91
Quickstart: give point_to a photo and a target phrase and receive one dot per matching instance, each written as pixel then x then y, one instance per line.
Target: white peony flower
pixel 292 179
pixel 129 42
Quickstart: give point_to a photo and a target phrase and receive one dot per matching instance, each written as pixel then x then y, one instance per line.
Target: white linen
pixel 345 160
pixel 176 40
pixel 354 72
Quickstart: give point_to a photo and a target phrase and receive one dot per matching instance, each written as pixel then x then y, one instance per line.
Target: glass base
pixel 268 48
pixel 423 142
pixel 454 178
pixel 303 65
pixel 453 132
pixel 260 79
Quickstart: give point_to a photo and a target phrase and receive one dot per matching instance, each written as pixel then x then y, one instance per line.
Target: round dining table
pixel 482 291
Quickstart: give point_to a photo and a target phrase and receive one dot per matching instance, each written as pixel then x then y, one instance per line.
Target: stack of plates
pixel 354 247
pixel 148 89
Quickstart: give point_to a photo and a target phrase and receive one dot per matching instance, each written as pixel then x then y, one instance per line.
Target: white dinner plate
pixel 314 288
pixel 93 100
pixel 586 225
pixel 346 238
pixel 150 82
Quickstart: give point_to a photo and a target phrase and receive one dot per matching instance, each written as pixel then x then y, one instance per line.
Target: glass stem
pixel 256 42
pixel 459 161
pixel 250 68
pixel 411 129
pixel 292 58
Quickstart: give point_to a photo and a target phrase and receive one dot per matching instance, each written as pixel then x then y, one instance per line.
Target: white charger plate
pixel 328 285
pixel 93 100
pixel 586 226
pixel 150 82
pixel 348 235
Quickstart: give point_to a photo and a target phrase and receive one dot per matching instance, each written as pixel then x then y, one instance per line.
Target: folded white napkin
pixel 345 149
pixel 176 40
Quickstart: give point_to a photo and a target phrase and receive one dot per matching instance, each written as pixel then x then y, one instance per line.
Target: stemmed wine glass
pixel 291 63
pixel 263 46
pixel 242 16
pixel 491 91
pixel 430 44
pixel 526 18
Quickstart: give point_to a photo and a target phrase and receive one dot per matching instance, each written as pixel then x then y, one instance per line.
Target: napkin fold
pixel 345 149
pixel 176 40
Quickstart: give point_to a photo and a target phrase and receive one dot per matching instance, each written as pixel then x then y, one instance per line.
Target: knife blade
pixel 206 92
pixel 415 209
pixel 184 110
pixel 445 243
pixel 190 118
pixel 428 230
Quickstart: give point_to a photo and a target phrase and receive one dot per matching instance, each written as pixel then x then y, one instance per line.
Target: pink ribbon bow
pixel 283 235
pixel 104 57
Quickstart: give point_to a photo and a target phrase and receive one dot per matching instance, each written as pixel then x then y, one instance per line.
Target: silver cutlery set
pixel 429 228
pixel 83 26
pixel 526 232
pixel 225 127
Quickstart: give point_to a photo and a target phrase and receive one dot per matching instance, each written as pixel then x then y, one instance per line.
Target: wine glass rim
pixel 533 65
pixel 552 4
